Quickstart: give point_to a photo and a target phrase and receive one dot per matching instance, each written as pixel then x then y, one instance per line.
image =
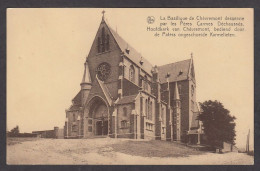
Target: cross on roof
pixel 191 54
pixel 103 12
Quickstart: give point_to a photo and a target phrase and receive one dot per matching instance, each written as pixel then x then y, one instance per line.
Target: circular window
pixel 103 71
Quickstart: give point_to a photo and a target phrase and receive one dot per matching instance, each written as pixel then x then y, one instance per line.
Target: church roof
pixel 178 71
pixel 77 99
pixel 76 102
pixel 127 99
pixel 133 54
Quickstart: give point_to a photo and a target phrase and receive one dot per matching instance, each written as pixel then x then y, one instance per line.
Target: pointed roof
pixel 133 55
pixel 176 95
pixel 191 69
pixel 178 71
pixel 86 76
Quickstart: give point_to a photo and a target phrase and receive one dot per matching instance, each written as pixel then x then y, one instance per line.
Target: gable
pixel 103 41
pixel 100 89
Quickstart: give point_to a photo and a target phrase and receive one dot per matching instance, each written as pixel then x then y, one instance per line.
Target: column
pixel 114 123
pixel 78 123
pixel 132 125
pixel 198 138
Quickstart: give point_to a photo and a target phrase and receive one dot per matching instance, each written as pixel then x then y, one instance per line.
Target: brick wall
pixel 73 123
pixel 184 91
pixel 124 132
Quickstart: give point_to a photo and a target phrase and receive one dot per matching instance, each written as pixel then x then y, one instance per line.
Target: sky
pixel 47 48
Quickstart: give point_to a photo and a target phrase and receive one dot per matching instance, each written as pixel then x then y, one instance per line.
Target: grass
pixel 18 140
pixel 154 148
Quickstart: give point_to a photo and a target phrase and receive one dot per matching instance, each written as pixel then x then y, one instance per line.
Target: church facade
pixel 122 95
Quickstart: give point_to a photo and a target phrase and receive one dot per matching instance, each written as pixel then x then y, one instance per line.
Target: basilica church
pixel 123 95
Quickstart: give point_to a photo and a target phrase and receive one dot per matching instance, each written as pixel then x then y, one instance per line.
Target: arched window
pixel 145 83
pixel 125 111
pixel 132 73
pixel 99 44
pixel 163 115
pixel 103 43
pixel 103 39
pixel 107 42
pixel 74 117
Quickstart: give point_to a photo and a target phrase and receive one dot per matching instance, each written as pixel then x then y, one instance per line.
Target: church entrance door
pixel 99 115
pixel 105 127
pixel 101 127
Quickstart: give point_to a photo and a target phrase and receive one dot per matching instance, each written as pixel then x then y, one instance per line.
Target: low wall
pixel 23 135
pixel 55 133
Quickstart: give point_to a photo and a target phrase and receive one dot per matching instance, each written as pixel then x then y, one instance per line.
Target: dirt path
pixel 99 151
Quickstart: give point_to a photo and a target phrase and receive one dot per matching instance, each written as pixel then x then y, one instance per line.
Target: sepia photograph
pixel 130 86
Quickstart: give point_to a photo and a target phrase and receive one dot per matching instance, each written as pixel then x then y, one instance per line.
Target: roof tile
pixel 77 99
pixel 133 54
pixel 127 99
pixel 174 70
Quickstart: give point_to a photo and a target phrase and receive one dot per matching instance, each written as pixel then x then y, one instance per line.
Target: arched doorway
pixel 99 114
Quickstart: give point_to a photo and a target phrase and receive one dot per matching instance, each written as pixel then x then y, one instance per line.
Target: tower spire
pixel 86 84
pixel 86 76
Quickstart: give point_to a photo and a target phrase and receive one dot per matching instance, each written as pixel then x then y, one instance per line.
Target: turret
pixel 177 112
pixel 86 84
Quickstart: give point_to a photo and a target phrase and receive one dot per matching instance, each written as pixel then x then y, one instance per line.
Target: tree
pixel 15 131
pixel 218 124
